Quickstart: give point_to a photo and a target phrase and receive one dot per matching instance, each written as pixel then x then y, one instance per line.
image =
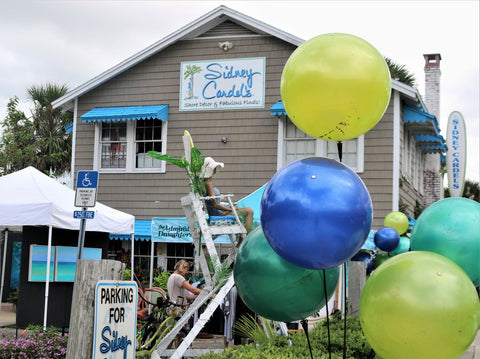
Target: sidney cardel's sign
pixel 456 153
pixel 222 84
pixel 115 320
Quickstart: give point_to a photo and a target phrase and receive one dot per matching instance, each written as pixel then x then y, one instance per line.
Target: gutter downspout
pixel 396 151
pixel 74 141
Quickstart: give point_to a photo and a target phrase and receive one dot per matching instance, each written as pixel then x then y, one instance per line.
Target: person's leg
pixel 247 213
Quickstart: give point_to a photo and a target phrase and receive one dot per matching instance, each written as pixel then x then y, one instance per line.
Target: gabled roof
pixel 197 28
pixel 190 31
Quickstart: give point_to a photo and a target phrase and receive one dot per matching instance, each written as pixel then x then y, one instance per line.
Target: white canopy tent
pixel 30 198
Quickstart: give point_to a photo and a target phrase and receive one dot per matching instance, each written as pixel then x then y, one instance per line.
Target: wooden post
pixel 357 276
pixel 87 274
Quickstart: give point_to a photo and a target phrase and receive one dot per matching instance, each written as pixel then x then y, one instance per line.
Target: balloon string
pixel 326 309
pixel 340 156
pixel 340 150
pixel 345 306
pixel 305 329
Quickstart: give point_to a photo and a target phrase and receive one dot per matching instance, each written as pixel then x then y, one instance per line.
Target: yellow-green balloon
pixel 335 86
pixel 396 220
pixel 419 305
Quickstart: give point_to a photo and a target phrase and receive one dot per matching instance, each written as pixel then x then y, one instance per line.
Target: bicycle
pixel 158 323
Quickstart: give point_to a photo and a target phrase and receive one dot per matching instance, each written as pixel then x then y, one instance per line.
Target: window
pixel 123 146
pixel 114 145
pixel 295 144
pixel 148 137
pixel 177 251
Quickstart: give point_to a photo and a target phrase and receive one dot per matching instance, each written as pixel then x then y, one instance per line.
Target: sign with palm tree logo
pixel 222 84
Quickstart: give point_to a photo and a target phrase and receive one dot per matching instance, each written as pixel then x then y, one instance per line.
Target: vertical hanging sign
pixel 456 154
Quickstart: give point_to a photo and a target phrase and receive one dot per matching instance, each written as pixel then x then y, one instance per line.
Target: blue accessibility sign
pixel 86 192
pixel 87 179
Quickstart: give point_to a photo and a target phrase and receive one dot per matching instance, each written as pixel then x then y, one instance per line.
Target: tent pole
pixel 152 247
pixel 47 279
pixel 3 265
pixel 131 259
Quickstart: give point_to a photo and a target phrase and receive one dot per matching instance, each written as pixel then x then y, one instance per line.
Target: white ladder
pixel 199 228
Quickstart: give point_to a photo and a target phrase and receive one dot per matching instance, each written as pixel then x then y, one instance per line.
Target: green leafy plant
pixel 160 280
pixel 127 275
pixel 13 297
pixel 296 346
pixel 193 168
pixel 248 327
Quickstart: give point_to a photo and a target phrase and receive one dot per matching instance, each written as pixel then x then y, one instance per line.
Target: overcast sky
pixel 70 42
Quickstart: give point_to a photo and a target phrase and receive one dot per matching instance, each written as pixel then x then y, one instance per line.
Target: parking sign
pixel 86 193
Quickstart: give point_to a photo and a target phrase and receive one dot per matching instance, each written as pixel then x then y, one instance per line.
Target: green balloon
pixel 273 287
pixel 419 305
pixel 381 258
pixel 451 227
pixel 403 246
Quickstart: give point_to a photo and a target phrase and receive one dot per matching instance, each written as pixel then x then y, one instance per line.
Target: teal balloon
pixel 403 246
pixel 451 227
pixel 273 287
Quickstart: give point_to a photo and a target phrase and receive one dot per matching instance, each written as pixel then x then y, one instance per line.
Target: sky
pixel 70 42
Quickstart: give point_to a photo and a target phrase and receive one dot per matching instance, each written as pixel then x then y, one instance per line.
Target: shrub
pixel 278 347
pixel 35 343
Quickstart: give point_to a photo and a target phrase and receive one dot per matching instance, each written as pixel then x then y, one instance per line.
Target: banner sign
pixel 456 154
pixel 115 319
pixel 175 230
pixel 222 84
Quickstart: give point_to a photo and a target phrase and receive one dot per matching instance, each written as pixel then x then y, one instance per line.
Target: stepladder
pixel 203 231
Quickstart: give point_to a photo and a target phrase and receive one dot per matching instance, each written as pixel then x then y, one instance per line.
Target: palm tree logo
pixel 191 70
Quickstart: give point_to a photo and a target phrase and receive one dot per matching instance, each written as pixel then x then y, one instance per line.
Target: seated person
pixel 215 207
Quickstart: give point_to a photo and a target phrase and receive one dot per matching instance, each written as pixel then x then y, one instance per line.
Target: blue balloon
pixel 387 239
pixel 362 256
pixel 316 213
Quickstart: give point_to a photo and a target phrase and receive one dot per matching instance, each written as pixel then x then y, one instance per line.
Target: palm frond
pixel 248 327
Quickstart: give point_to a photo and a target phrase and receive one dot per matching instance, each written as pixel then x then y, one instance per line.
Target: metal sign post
pixel 85 196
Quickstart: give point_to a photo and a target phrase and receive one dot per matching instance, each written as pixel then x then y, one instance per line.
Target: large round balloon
pixel 335 86
pixel 387 239
pixel 419 305
pixel 451 227
pixel 276 289
pixel 316 213
pixel 396 220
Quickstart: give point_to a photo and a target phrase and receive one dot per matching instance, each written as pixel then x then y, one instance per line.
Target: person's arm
pixel 191 289
pixel 211 192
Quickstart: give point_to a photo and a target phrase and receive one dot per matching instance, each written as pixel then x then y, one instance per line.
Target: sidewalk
pixel 7 318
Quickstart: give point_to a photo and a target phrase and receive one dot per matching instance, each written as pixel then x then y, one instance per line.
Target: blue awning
pixel 143 232
pixel 426 123
pixel 278 109
pixel 106 114
pixel 431 143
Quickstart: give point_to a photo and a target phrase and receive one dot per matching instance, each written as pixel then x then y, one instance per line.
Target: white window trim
pixel 320 147
pixel 130 163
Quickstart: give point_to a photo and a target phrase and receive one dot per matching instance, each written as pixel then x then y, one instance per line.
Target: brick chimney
pixel 432 179
pixel 432 83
